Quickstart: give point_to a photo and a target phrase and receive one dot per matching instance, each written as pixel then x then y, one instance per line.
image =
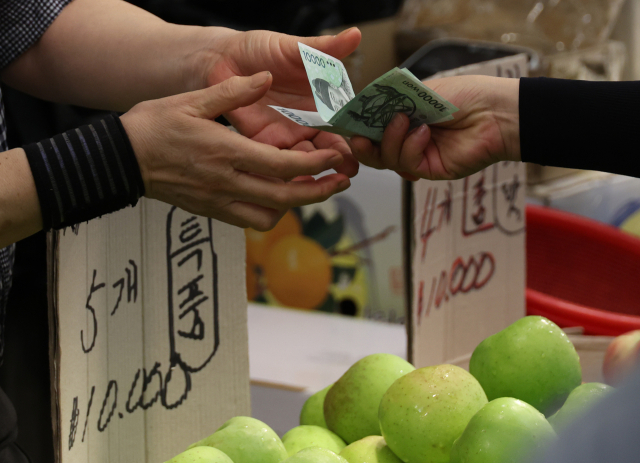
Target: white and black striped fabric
pixel 22 22
pixel 80 174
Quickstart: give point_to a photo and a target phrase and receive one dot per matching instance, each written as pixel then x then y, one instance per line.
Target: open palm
pixel 244 54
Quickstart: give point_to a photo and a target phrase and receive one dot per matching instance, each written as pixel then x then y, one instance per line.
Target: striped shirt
pixel 80 174
pixel 22 23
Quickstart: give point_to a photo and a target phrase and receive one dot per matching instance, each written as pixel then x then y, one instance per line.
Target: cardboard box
pixel 375 55
pixel 466 252
pixel 591 350
pixel 360 231
pixel 295 353
pixel 149 335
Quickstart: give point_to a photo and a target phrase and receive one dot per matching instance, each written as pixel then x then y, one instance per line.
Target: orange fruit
pixel 253 288
pixel 258 243
pixel 298 272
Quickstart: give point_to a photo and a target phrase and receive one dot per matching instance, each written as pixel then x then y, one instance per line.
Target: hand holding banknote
pixel 236 53
pixel 485 130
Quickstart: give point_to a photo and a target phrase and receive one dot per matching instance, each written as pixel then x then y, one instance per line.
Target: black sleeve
pixel 581 125
pixel 85 173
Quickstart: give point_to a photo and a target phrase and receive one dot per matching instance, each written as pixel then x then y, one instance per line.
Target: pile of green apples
pixel 523 385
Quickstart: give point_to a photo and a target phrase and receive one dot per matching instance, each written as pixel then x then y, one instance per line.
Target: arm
pixel 110 54
pixel 577 124
pixel 168 149
pixel 19 207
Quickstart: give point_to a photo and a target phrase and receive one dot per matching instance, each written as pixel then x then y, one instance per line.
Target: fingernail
pixel 258 80
pixel 336 160
pixel 344 32
pixel 422 130
pixel 344 184
pixel 397 121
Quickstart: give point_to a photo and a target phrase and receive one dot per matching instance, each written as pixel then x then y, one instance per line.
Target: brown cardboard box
pixel 466 253
pixel 375 55
pixel 149 334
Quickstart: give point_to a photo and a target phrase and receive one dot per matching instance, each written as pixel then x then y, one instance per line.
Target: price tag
pixel 466 253
pixel 149 341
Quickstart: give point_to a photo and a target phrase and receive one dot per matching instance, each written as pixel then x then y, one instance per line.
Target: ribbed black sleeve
pixel 85 173
pixel 582 125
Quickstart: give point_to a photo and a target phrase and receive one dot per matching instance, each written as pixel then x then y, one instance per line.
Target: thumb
pixel 231 94
pixel 338 46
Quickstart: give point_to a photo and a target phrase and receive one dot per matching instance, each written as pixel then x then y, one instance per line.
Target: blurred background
pixel 349 270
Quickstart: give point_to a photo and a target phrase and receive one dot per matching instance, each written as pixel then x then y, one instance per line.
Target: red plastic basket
pixel 582 273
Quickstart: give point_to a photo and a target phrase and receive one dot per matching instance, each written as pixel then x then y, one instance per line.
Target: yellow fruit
pixel 298 272
pixel 258 243
pixel 253 288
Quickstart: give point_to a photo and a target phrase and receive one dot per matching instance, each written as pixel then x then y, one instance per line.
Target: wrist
pixel 204 66
pixel 506 111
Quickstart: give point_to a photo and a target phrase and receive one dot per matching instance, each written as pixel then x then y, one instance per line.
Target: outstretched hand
pixel 246 53
pixel 188 160
pixel 485 130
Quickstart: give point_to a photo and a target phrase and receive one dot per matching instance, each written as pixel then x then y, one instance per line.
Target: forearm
pixel 582 125
pixel 19 206
pixel 110 54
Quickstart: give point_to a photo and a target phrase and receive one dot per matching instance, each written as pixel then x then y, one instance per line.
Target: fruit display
pixel 304 436
pixel 579 402
pixel 371 449
pixel 423 412
pixel 505 429
pixel 313 409
pixel 383 410
pixel 246 440
pixel 532 360
pixel 351 405
pixel 622 355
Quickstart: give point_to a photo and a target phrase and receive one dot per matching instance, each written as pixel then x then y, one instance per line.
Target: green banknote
pixel 369 112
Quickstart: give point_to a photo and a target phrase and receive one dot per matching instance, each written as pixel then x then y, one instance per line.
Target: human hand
pixel 235 53
pixel 485 130
pixel 188 160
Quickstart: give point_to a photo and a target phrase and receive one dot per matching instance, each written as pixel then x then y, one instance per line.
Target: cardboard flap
pixel 149 336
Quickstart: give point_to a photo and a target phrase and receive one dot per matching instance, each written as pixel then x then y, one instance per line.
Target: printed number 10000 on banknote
pixel 368 113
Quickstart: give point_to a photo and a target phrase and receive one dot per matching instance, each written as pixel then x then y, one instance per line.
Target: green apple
pixel 372 449
pixel 315 455
pixel 246 440
pixel 531 360
pixel 424 411
pixel 579 401
pixel 351 405
pixel 201 455
pixel 505 430
pixel 304 436
pixel 313 409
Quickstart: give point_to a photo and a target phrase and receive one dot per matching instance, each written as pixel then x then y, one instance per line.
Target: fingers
pixel 266 160
pixel 339 46
pixel 412 152
pixel 249 215
pixel 285 195
pixel 230 94
pixel 366 152
pixel 326 140
pixel 392 141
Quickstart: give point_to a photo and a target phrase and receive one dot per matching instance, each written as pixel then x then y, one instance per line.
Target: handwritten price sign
pixel 151 343
pixel 468 262
pixel 467 251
